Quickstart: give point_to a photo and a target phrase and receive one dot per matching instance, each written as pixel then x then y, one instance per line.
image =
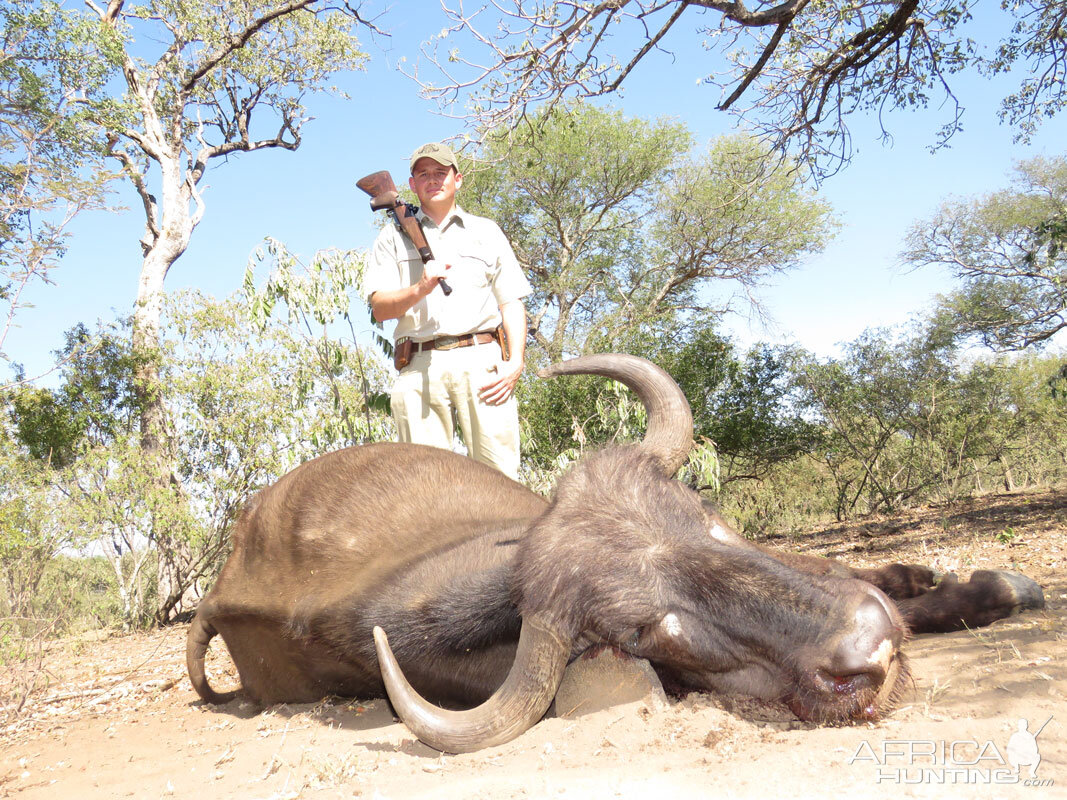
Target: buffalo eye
pixel 671 625
pixel 719 533
pixel 667 633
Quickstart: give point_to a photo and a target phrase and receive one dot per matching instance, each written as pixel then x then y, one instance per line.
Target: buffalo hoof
pixel 1025 594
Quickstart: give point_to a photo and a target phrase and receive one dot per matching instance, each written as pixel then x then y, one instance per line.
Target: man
pixel 456 356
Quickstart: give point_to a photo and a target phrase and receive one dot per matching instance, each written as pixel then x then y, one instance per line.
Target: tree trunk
pixel 162 249
pixel 1006 474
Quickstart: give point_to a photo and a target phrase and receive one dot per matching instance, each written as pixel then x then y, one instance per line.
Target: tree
pixel 94 404
pixel 1009 251
pixel 903 422
pixel 227 77
pixel 32 530
pixel 316 298
pixel 54 64
pixel 81 440
pixel 245 402
pixel 46 434
pixel 619 230
pixel 747 404
pixel 795 70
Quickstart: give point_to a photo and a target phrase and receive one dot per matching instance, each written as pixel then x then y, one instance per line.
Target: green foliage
pixel 1006 250
pixel 1037 40
pixel 1057 382
pixel 902 423
pixel 112 494
pixel 788 498
pixel 562 418
pixel 746 404
pixel 620 231
pixel 746 409
pixel 96 401
pixel 241 410
pixel 317 298
pixel 874 403
pixel 34 528
pixel 244 410
pixel 280 50
pixel 897 421
pixel 45 426
pixel 54 67
pixel 257 408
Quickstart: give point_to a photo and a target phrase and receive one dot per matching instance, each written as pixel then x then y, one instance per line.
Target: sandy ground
pixel 119 719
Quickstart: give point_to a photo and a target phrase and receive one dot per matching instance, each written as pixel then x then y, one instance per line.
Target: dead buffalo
pixel 487 590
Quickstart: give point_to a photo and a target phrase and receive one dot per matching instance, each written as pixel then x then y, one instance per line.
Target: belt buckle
pixel 446 342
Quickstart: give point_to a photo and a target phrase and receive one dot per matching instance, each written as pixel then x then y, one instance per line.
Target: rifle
pixel 384 196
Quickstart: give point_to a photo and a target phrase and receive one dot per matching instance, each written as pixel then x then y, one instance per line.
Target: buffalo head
pixel 625 555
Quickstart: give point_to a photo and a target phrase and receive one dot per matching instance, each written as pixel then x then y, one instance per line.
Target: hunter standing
pixel 456 360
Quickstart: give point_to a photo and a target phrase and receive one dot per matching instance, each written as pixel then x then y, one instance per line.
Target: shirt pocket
pixel 471 273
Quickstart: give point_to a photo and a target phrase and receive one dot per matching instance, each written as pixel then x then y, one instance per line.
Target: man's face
pixel 434 183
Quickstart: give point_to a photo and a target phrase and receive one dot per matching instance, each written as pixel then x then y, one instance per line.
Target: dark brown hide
pixel 372 535
pixel 452 560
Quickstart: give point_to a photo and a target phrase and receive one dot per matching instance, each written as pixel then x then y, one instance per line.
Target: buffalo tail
pixel 201 632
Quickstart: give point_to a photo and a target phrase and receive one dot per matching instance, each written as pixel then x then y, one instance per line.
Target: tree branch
pixel 136 177
pixel 238 40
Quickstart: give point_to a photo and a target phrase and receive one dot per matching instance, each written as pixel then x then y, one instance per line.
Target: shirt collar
pixel 458 216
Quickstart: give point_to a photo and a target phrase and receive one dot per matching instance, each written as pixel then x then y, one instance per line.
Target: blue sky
pixel 308 199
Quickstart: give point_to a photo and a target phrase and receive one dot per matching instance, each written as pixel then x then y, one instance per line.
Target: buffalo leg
pixel 929 605
pixel 898 581
pixel 988 596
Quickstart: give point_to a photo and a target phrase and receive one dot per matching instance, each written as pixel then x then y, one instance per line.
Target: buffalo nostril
pixel 868 648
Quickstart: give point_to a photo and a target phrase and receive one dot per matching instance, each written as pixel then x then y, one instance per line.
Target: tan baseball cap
pixel 441 153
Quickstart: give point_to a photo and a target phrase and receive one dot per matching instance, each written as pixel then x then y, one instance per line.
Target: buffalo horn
pixel 670 422
pixel 520 702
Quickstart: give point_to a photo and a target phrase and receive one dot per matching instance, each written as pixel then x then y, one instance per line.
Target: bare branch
pixel 652 42
pixel 804 68
pixel 238 40
pixel 136 177
pixel 757 69
pixel 737 12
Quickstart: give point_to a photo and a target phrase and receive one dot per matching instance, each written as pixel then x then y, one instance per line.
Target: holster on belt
pixel 502 338
pixel 402 353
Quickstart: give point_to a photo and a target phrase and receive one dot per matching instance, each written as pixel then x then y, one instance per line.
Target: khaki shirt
pixel 484 275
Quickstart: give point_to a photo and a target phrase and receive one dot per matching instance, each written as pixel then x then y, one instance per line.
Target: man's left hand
pixel 500 390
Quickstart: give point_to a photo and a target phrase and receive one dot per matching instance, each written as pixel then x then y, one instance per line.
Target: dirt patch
pixel 120 720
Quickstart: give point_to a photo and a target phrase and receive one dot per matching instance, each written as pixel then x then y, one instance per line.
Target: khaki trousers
pixel 435 383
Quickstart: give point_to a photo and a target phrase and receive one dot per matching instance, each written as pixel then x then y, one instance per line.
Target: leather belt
pixel 452 342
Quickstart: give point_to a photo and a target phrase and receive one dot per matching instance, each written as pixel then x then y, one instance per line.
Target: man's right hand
pixel 394 303
pixel 433 271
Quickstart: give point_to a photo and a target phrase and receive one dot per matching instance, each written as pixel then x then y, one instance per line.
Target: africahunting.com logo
pixel 958 761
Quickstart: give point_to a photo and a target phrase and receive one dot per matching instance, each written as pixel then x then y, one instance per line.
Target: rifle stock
pixel 384 196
